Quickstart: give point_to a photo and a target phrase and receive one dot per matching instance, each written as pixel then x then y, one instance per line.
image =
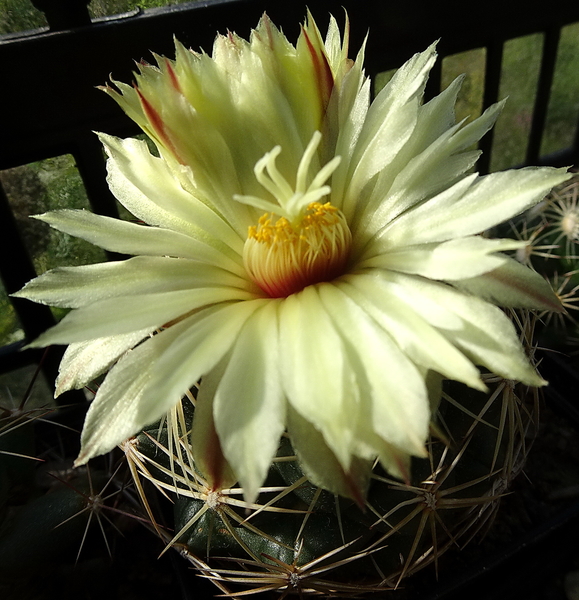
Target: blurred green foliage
pixel 33 189
pixel 20 15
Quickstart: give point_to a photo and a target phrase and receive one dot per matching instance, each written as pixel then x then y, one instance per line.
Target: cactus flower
pixel 311 257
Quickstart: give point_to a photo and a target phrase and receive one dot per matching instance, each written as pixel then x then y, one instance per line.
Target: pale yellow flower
pixel 312 257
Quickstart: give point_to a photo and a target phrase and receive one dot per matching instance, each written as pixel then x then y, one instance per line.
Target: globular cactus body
pixel 300 538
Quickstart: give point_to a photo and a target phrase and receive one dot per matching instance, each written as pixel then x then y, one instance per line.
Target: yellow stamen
pixel 283 257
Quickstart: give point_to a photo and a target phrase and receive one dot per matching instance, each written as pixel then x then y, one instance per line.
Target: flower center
pixel 284 257
pixel 299 240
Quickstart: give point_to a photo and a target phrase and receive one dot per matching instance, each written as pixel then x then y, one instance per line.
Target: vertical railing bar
pixel 575 148
pixel 91 164
pixel 64 14
pixel 17 269
pixel 493 69
pixel 546 73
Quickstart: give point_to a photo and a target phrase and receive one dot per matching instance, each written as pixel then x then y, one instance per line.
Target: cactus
pixel 552 231
pixel 318 333
pixel 301 539
pixel 297 537
pixel 50 513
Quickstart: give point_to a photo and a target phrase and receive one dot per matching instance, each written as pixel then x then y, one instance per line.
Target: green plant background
pixel 20 15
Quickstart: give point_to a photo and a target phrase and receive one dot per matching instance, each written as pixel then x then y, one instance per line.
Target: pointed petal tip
pixel 250 495
pixel 536 381
pixel 478 385
pixel 355 492
pixel 60 388
pixel 81 460
pixel 41 217
pixel 34 344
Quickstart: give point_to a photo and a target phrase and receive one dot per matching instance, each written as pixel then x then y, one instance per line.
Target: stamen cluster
pixel 284 257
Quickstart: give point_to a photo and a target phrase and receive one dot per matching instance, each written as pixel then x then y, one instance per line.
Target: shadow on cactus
pixel 302 539
pixel 51 515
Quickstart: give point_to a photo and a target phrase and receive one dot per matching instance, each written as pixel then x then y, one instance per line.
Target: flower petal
pixel 487 336
pixel 73 287
pixel 388 125
pixel 459 258
pixel 314 375
pixel 83 361
pixel 489 200
pixel 123 315
pixel 418 339
pixel 429 169
pixel 145 186
pixel 129 238
pixel 210 335
pixel 205 444
pixel 398 408
pixel 512 285
pixel 320 464
pixel 118 410
pixel 250 418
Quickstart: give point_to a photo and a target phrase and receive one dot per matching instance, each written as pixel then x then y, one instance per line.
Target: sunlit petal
pixel 84 361
pixel 251 418
pixel 309 258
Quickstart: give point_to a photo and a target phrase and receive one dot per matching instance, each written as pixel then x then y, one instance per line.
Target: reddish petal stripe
pixel 158 125
pixel 324 75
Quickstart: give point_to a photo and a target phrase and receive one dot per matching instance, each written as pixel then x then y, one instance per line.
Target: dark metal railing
pixel 51 106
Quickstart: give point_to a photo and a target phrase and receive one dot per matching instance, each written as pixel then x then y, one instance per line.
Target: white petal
pixel 319 463
pixel 487 336
pixel 315 376
pixel 73 287
pixel 432 161
pixel 83 361
pixel 380 148
pixel 388 125
pixel 129 238
pixel 345 118
pixel 209 336
pixel 118 410
pixel 422 342
pixel 399 408
pixel 125 314
pixel 145 186
pixel 490 200
pixel 512 285
pixel 438 165
pixel 460 258
pixel 205 444
pixel 408 289
pixel 249 406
